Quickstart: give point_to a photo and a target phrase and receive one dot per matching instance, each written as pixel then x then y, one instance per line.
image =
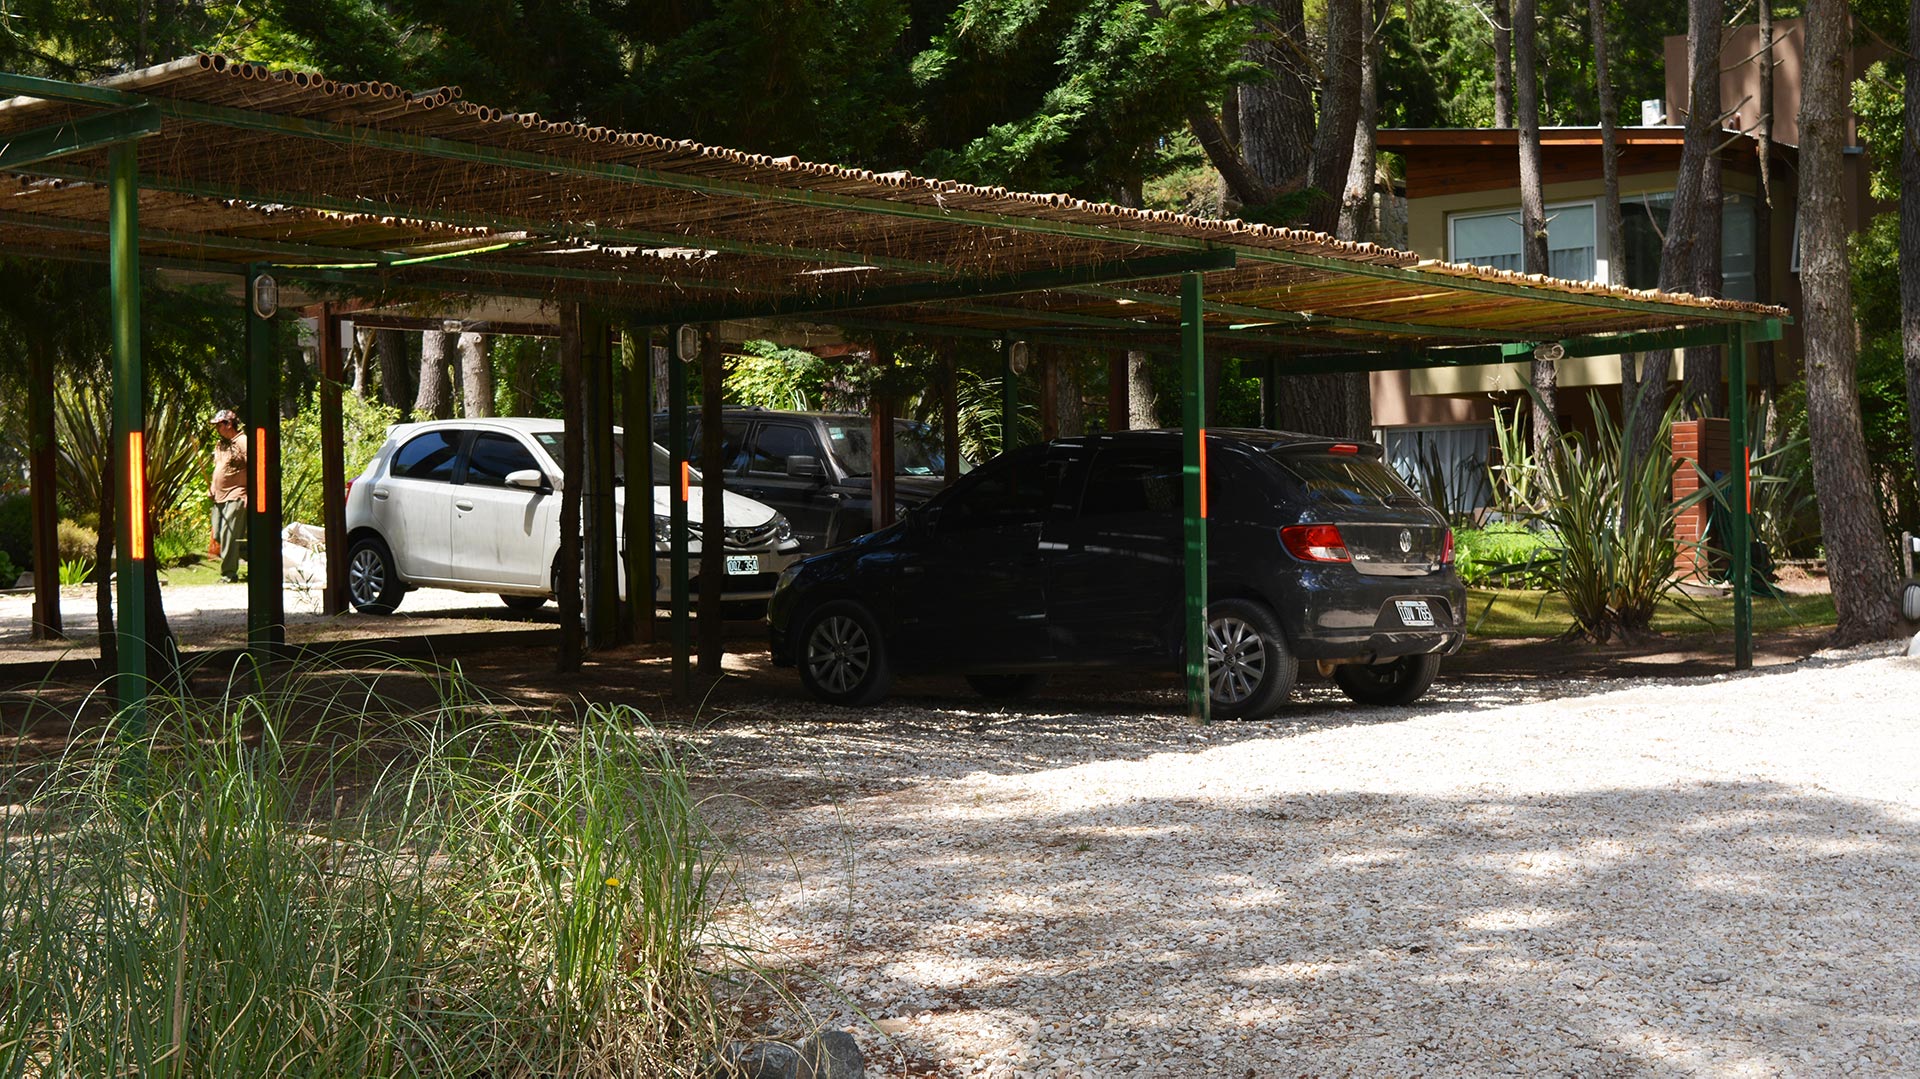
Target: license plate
pixel 1414 612
pixel 749 564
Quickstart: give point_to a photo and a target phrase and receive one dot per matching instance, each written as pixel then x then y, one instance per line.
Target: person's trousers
pixel 228 520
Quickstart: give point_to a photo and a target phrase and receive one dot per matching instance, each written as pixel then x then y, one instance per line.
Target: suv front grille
pixel 741 539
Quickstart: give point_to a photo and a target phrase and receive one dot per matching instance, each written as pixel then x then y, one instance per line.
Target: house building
pixel 1463 205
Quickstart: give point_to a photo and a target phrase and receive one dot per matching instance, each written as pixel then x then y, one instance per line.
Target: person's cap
pixel 225 415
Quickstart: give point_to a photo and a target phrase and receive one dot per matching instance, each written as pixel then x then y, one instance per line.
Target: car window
pixel 1020 492
pixel 493 457
pixel 551 441
pixel 1131 482
pixel 918 449
pixel 429 456
pixel 1345 478
pixel 775 442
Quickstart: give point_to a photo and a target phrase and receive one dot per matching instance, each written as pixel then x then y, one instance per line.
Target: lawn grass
pixel 1504 612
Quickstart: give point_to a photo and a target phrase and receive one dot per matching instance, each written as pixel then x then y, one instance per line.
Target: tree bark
pixel 1356 202
pixel 1704 393
pixel 1910 231
pixel 1242 184
pixel 1765 375
pixel 1339 110
pixel 573 484
pixel 1143 407
pixel 434 399
pixel 1677 251
pixel 476 373
pixel 1544 374
pixel 1859 561
pixel 1614 230
pixel 1276 113
pixel 396 383
pixel 358 361
pixel 1502 64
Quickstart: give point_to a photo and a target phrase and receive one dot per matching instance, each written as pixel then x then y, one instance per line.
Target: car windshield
pixel 918 450
pixel 662 460
pixel 1345 478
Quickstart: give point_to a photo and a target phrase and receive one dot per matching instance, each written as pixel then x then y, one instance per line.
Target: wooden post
pixel 637 450
pixel 602 551
pixel 713 516
pixel 677 518
pixel 1049 392
pixel 43 481
pixel 1117 417
pixel 880 438
pixel 333 465
pixel 566 570
pixel 1009 397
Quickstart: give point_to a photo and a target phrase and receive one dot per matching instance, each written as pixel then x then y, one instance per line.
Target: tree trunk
pixel 1502 64
pixel 1765 375
pixel 1276 112
pixel 1545 375
pixel 1677 251
pixel 396 385
pixel 1859 563
pixel 1704 392
pixel 1070 405
pixel 1143 407
pixel 1356 203
pixel 476 373
pixel 573 484
pixel 358 361
pixel 434 401
pixel 1339 110
pixel 103 563
pixel 1910 232
pixel 1614 231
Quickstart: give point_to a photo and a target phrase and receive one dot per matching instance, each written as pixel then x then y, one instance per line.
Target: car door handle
pixel 463 505
pixel 380 493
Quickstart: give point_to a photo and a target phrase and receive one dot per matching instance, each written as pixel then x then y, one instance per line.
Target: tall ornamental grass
pixel 458 894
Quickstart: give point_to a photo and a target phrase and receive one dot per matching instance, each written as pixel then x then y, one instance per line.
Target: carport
pixel 208 165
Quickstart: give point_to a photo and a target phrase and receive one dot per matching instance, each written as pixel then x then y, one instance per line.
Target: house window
pixel 1446 465
pixel 1644 228
pixel 1493 239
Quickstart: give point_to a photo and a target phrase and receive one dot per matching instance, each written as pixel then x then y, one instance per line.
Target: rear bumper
pixel 1336 614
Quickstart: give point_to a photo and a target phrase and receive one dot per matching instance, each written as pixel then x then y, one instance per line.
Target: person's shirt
pixel 229 469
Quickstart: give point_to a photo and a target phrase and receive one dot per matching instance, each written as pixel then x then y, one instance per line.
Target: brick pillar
pixel 1707 442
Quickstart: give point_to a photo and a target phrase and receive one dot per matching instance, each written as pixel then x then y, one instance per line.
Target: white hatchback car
pixel 471 505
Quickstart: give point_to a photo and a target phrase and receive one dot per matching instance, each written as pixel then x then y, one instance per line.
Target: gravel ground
pixel 1690 877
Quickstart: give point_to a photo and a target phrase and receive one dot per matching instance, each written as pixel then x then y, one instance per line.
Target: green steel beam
pixel 1151 266
pixel 131 542
pixel 266 602
pixel 1739 501
pixel 1193 420
pixel 1409 358
pixel 346 135
pixel 1294 318
pixel 1009 397
pixel 77 136
pixel 679 574
pixel 253 249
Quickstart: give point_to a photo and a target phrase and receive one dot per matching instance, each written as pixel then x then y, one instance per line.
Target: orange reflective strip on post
pixel 1203 473
pixel 1746 476
pixel 258 495
pixel 686 481
pixel 137 495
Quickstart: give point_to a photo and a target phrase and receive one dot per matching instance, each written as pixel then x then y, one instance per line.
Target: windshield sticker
pixel 836 433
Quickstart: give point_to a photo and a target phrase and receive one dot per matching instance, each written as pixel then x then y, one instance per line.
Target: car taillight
pixel 349 489
pixel 1446 549
pixel 1315 543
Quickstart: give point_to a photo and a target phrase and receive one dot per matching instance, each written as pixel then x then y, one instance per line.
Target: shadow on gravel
pixel 1705 928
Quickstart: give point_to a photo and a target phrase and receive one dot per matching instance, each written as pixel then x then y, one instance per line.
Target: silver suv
pixel 471 505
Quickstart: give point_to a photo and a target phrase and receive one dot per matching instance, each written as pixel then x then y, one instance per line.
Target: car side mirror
pixel 806 466
pixel 531 479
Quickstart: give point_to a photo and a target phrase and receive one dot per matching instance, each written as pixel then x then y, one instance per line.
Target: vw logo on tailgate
pixel 1406 541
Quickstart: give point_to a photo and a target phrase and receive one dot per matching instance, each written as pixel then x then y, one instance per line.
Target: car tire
pixel 373 581
pixel 841 656
pixel 1006 687
pixel 523 603
pixel 1392 684
pixel 1250 669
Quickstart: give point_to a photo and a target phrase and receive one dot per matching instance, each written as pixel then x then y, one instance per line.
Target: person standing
pixel 228 489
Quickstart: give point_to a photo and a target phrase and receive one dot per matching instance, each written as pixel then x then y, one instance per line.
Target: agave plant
pixel 83 424
pixel 1516 479
pixel 1608 522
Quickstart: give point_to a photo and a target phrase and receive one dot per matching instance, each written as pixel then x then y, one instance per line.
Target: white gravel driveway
pixel 1712 877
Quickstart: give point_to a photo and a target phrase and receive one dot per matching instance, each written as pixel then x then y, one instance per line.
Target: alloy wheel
pixel 839 653
pixel 1236 660
pixel 366 576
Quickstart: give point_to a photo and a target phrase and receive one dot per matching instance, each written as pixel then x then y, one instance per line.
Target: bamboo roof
pixel 365 186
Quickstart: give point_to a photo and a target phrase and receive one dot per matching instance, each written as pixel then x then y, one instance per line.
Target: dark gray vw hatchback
pixel 1069 555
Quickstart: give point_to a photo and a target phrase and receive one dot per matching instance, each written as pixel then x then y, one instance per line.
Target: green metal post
pixel 1193 419
pixel 266 621
pixel 677 521
pixel 1740 560
pixel 637 450
pixel 129 424
pixel 602 559
pixel 1009 398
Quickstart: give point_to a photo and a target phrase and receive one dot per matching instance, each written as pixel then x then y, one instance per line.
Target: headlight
pixel 782 528
pixel 663 533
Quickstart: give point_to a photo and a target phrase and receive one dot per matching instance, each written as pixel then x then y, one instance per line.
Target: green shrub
pixel 16 529
pixel 364 425
pixel 461 894
pixel 1497 554
pixel 9 572
pixel 78 542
